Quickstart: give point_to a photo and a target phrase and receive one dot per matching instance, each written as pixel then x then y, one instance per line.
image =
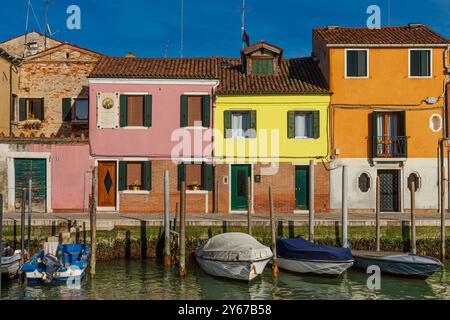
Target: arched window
pixel 414 177
pixel 364 182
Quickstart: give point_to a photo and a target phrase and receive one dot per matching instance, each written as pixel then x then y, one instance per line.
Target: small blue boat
pixel 301 256
pixel 68 264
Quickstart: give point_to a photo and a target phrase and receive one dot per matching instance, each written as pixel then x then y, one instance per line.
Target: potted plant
pixel 135 185
pixel 195 185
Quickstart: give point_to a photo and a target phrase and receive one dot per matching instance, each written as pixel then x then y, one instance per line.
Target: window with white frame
pixel 357 63
pixel 420 63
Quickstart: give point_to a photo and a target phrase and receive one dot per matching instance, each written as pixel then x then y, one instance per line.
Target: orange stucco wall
pixel 388 86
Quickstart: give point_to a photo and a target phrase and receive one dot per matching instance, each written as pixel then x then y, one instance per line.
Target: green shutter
pixel 227 123
pixel 402 123
pixel 147 175
pixel 316 124
pixel 22 109
pixel 181 174
pixel 123 110
pixel 122 175
pixel 262 66
pixel 291 124
pixel 66 109
pixel 206 107
pixel 148 111
pixel 374 134
pixel 252 125
pixel 183 111
pixel 40 116
pixel 207 176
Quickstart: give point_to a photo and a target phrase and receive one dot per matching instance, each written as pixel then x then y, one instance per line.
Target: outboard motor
pixel 52 266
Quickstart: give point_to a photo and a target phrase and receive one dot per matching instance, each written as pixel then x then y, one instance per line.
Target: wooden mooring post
pixel 249 205
pixel 182 253
pixel 442 200
pixel 311 200
pixel 30 183
pixel 413 217
pixel 344 206
pixel 377 215
pixel 167 255
pixel 94 220
pixel 22 227
pixel 272 229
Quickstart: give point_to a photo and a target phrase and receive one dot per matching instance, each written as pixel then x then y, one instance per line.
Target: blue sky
pixel 211 27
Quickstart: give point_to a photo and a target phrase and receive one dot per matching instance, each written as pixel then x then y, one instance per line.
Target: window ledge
pixel 135 192
pixel 195 127
pixel 375 160
pixel 303 138
pixel 196 191
pixel 135 128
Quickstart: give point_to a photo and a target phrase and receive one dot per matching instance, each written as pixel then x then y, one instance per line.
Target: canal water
pixel 143 280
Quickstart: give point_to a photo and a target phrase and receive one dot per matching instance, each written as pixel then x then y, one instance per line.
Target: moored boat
pixel 233 255
pixel 67 263
pixel 10 260
pixel 401 264
pixel 301 256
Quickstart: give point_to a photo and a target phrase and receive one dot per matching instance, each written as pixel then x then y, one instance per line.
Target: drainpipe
pixel 442 195
pixel 213 107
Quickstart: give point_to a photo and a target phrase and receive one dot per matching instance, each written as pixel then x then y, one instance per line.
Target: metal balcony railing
pixel 389 147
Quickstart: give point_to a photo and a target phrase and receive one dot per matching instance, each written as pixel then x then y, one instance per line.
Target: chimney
pixel 130 55
pixel 414 25
pixel 332 27
pixel 31 48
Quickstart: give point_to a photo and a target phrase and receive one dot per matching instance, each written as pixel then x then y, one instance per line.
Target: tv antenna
pixel 166 48
pixel 182 28
pixel 243 24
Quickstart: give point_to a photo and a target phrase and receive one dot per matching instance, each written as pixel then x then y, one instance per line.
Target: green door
pixel 36 170
pixel 239 186
pixel 302 188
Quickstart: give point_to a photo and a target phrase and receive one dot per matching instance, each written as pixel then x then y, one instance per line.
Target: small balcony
pixel 389 147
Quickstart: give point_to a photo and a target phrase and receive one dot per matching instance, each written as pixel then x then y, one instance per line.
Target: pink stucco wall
pixel 154 142
pixel 70 175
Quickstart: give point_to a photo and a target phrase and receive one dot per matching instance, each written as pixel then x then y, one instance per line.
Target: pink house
pixel 149 115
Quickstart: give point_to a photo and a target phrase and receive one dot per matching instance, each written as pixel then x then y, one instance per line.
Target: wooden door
pixel 302 188
pixel 107 184
pixel 36 170
pixel 239 186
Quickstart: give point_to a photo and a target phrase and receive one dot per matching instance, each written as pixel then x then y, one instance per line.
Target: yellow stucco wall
pixel 5 94
pixel 272 120
pixel 388 86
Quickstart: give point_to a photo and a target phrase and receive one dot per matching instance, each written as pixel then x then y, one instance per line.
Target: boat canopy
pixel 301 249
pixel 234 246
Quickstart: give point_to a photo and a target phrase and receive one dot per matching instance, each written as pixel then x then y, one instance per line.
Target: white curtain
pixel 303 125
pixel 239 124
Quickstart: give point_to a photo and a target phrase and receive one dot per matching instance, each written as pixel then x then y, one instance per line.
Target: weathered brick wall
pixel 16 45
pixel 153 202
pixel 54 77
pixel 283 189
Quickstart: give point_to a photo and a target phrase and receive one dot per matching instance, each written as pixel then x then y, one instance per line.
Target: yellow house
pixel 9 89
pixel 271 120
pixel 387 113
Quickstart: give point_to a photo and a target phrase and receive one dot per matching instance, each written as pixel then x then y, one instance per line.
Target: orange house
pixel 387 113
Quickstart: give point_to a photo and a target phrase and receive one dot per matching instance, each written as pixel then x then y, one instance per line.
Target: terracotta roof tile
pixel 299 75
pixel 391 35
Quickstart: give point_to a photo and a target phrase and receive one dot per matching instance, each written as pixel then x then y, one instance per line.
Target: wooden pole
pixel 442 206
pixel 249 205
pixel 167 255
pixel 413 217
pixel 94 220
pixel 274 240
pixel 344 206
pixel 311 200
pixel 30 183
pixel 377 215
pixel 182 262
pixel 22 226
pixel 1 238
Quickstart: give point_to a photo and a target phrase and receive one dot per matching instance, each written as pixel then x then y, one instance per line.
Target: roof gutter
pixel 361 45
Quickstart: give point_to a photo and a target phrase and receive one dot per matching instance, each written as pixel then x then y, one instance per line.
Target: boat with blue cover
pixel 301 256
pixel 58 262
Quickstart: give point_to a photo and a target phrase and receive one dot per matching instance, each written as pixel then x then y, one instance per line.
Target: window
pixel 414 177
pixel 419 63
pixel 240 124
pixel 135 175
pixel 195 111
pixel 198 176
pixel 389 134
pixel 364 182
pixel 436 123
pixel 357 63
pixel 135 110
pixel 31 109
pixel 262 66
pixel 81 109
pixel 303 124
pixel 14 116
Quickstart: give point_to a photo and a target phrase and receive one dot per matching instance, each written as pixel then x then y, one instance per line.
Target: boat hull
pixel 238 270
pixel 10 265
pixel 70 274
pixel 395 266
pixel 334 268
